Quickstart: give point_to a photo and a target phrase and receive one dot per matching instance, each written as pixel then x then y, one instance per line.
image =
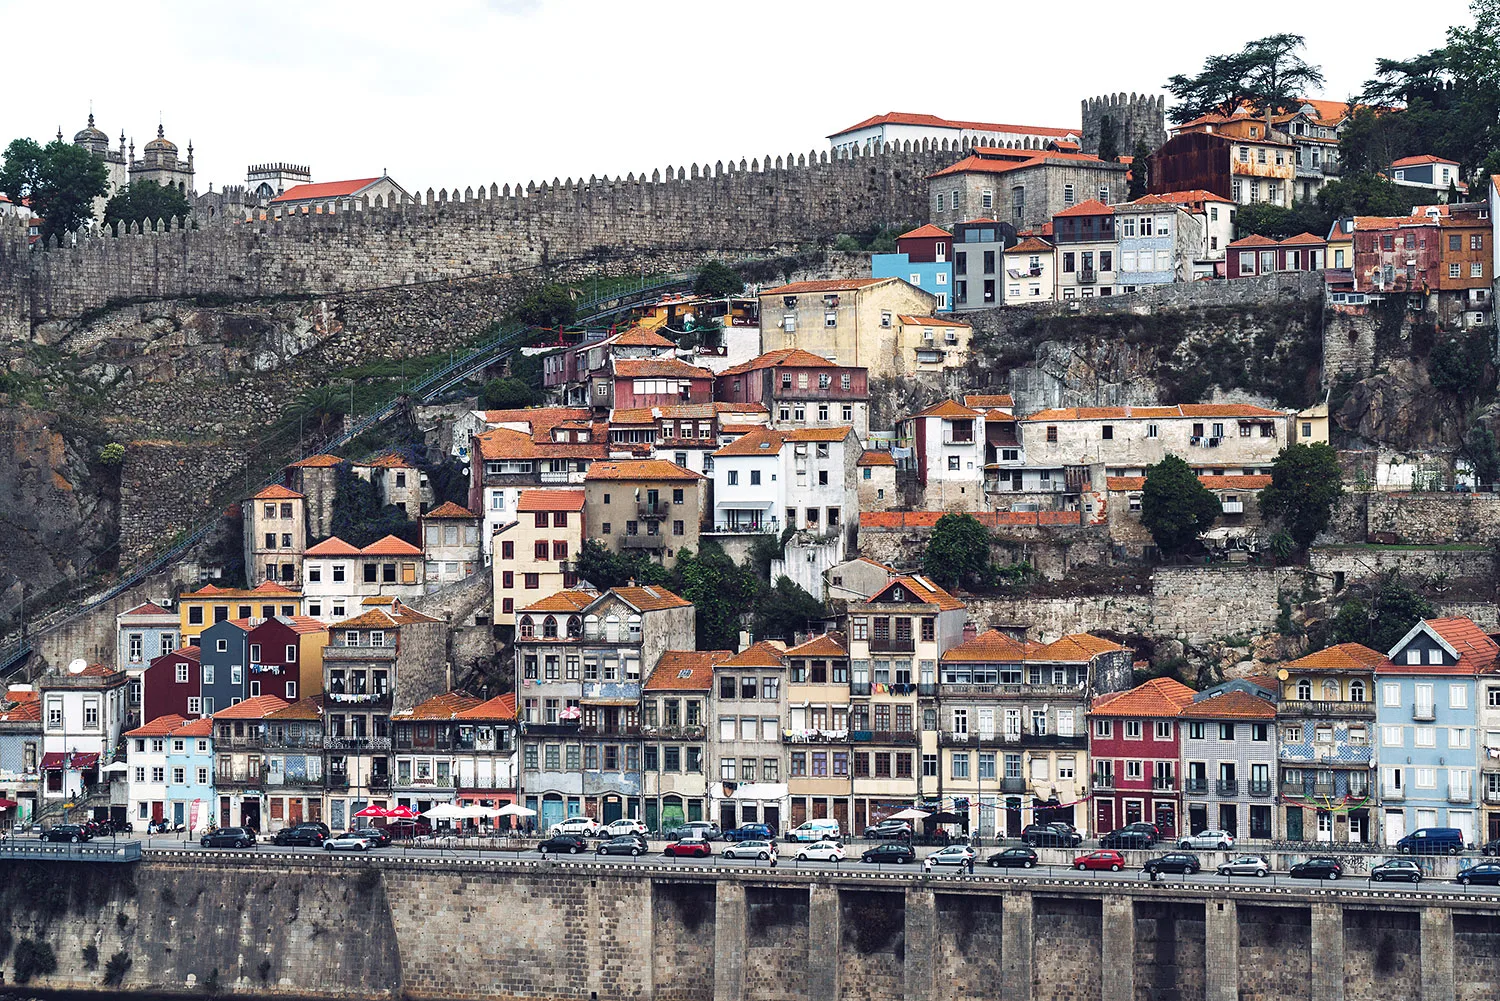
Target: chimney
pixel 744 641
pixel 971 630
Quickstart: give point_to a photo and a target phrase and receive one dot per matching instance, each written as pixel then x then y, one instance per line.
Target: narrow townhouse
pixel 1135 746
pixel 819 777
pixel 750 701
pixel 1229 760
pixel 170 773
pixel 675 733
pixel 293 772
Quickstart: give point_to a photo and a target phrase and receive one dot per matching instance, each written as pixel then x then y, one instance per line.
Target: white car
pixel 820 851
pixel 582 826
pixel 952 855
pixel 751 848
pixel 1208 838
pixel 620 828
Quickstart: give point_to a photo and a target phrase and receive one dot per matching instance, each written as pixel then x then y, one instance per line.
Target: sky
pixel 457 93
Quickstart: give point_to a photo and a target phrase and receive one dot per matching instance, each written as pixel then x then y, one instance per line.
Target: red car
pixel 1113 861
pixel 688 848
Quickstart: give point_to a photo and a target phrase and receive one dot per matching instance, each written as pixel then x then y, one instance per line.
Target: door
pixel 1012 817
pixel 799 811
pixel 841 814
pixel 1494 826
pixel 178 813
pixel 1294 823
pixel 1197 817
pixel 773 819
pixel 728 820
pixel 1359 826
pixel 1325 825
pixel 1105 817
pixel 1133 811
pixel 1229 818
pixel 552 812
pixel 1395 826
pixel 1464 821
pixel 614 809
pixel 293 812
pixel 156 811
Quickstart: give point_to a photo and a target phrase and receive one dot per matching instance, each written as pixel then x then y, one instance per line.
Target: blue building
pixel 143 634
pixel 170 772
pixel 923 258
pixel 20 754
pixel 224 650
pixel 1427 720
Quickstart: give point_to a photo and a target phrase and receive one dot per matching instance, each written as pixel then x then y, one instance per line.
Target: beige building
pixel 450 544
pixel 1312 425
pixel 533 556
pixel 396 481
pixel 1219 439
pixel 932 344
pixel 1030 272
pixel 817 731
pixel 644 505
pixel 876 476
pixel 851 321
pixel 748 707
pixel 275 536
pixel 674 727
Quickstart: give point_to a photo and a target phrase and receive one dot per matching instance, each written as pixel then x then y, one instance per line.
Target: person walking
pixel 971 863
pixel 927 866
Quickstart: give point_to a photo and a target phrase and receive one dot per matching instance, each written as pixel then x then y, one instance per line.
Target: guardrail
pixel 46 851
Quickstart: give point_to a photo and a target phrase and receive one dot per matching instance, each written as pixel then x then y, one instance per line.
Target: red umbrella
pixel 375 810
pixel 401 812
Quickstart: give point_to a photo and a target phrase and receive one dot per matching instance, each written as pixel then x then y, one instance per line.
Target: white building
pixel 339 577
pixel 802 478
pixel 899 127
pixel 948 450
pixel 83 714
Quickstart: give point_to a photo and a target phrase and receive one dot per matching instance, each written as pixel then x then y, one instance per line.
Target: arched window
pixel 575 627
pixel 612 629
pixel 549 627
pixel 528 628
pixel 1304 690
pixel 634 626
pixel 591 627
pixel 1356 691
pixel 1331 689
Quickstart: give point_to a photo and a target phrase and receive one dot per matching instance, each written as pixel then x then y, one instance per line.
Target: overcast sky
pixel 468 92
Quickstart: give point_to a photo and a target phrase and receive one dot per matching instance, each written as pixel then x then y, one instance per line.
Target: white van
pixel 817 830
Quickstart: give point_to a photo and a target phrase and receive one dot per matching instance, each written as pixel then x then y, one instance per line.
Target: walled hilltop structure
pixel 1138 118
pixel 158 162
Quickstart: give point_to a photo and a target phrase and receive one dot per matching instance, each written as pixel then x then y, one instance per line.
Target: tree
pixel 785 609
pixel 508 393
pixel 1460 365
pixel 721 592
pixel 958 552
pixel 1175 505
pixel 145 202
pixel 1393 609
pixel 604 569
pixel 1140 167
pixel 360 519
pixel 1267 76
pixel 551 306
pixel 1305 482
pixel 717 280
pixel 1483 454
pixel 1109 139
pixel 60 180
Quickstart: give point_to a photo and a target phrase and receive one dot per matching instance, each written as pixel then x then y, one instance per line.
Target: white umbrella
pixel 476 811
pixel 445 811
pixel 515 810
pixel 910 813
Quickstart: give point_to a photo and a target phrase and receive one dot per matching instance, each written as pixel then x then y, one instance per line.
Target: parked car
pixel 1491 847
pixel 72 833
pixel 952 855
pixel 1398 870
pixel 563 844
pixel 349 841
pixel 1126 837
pixel 689 848
pixel 705 829
pixel 1113 861
pixel 1180 863
pixel 376 834
pixel 1480 872
pixel 1318 868
pixel 622 827
pixel 1432 841
pixel 575 825
pixel 889 829
pixel 625 844
pixel 816 830
pixel 1051 835
pixel 311 835
pixel 1145 826
pixel 821 851
pixel 1024 858
pixel 1209 838
pixel 893 853
pixel 749 832
pixel 1244 865
pixel 228 837
pixel 757 848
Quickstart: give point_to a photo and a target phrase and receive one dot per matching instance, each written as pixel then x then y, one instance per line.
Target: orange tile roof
pixel 686 670
pixel 271 587
pixel 1159 697
pixel 1477 652
pixel 508 443
pixel 875 457
pixel 789 357
pixel 550 500
pixel 640 469
pixel 379 618
pixel 1192 197
pixel 439 707
pixel 1342 657
pixel 829 434
pixel 1092 206
pixel 390 546
pixel 947 408
pixel 762 653
pixel 333 546
pixel 277 492
pixel 24 711
pixel 563 601
pixel 147 608
pixel 824 645
pixel 827 285
pixel 933 121
pixel 658 368
pixel 324 189
pixel 1255 482
pixel 302 623
pixel 1124 483
pixel 640 337
pixel 989 646
pixel 756 441
pixel 923 591
pixel 1253 240
pixel 253 708
pixel 310 708
pixel 448 509
pixel 537 417
pixel 501 707
pixel 383 600
pixel 260 590
pixel 923 231
pixel 932 321
pixel 1076 648
pixel 316 462
pixel 1424 158
pixel 1303 239
pixel 731 429
pixel 1031 245
pixel 386 460
pixel 1242 410
pixel 173 724
pixel 1230 705
pixel 980 401
pixel 650 597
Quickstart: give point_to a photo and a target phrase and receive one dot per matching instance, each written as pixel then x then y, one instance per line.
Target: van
pixel 1432 841
pixel 816 830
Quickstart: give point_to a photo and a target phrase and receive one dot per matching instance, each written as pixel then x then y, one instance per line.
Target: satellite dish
pixel 77 666
pixel 1281 674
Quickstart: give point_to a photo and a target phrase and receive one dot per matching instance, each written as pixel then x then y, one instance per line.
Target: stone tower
pixel 275 537
pixel 1138 118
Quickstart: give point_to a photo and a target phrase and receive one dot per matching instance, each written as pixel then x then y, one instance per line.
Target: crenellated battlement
pixel 1138 118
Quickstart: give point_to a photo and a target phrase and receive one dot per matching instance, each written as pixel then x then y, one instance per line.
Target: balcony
pixel 1331 710
pixel 1492 796
pixel 1424 713
pixel 1233 507
pixel 1164 783
pixel 311 741
pixel 619 730
pixel 569 729
pixel 1389 793
pixel 816 736
pixel 649 542
pixel 342 743
pixel 427 782
pixel 859 688
pixel 950 438
pixel 237 778
pixel 1258 787
pixel 748 526
pixel 359 700
pixel 902 737
pixel 290 781
pixel 1039 691
pixel 1087 276
pixel 692 731
pixel 1460 794
pixel 1195 786
pixel 926 689
pixel 893 644
pixel 1350 755
pixel 338 652
pixel 248 740
pixel 655 512
pixel 1104 782
pixel 1227 787
pixel 380 782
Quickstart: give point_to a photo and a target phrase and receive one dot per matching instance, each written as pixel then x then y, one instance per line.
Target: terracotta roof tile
pixel 390 546
pixel 146 608
pixel 448 509
pixel 1031 245
pixel 439 707
pixel 827 285
pixel 640 469
pixel 789 357
pixel 1477 651
pixel 1076 648
pixel 1303 239
pixel 923 231
pixel 508 443
pixel 174 725
pixel 980 401
pixel 756 441
pixel 1230 705
pixel 1253 240
pixel 824 645
pixel 686 670
pixel 550 500
pixel 310 708
pixel 324 189
pixel 762 653
pixel 1342 657
pixel 563 601
pixel 1425 158
pixel 650 597
pixel 658 368
pixel 989 646
pixel 875 457
pixel 317 462
pixel 26 711
pixel 501 708
pixel 1159 697
pixel 947 408
pixel 932 321
pixel 253 708
pixel 333 546
pixel 387 460
pixel 1092 206
pixel 277 492
pixel 923 590
pixel 640 337
pixel 829 434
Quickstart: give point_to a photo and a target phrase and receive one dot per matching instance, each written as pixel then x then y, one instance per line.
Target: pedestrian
pixel 927 865
pixel 774 856
pixel 971 863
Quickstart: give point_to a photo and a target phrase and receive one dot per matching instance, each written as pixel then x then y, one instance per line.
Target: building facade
pixel 1229 761
pixel 1326 745
pixel 1135 747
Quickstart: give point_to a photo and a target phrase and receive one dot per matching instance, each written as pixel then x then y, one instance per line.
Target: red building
pixel 1261 255
pixel 1396 253
pixel 794 380
pixel 659 382
pixel 1135 745
pixel 172 684
pixel 276 653
pixel 927 244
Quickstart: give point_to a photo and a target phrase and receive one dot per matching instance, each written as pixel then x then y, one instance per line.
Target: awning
pixel 54 761
pixel 8 804
pixel 84 759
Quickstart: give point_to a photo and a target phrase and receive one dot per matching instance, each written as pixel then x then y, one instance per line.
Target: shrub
pixel 34 959
pixel 91 956
pixel 115 970
pixel 112 454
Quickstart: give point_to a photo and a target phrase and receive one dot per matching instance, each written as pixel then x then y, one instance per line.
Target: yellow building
pixel 1312 425
pixel 852 321
pixel 817 731
pixel 209 604
pixel 932 343
pixel 533 556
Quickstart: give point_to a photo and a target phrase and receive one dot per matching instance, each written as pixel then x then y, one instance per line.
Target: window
pixel 1164 730
pixel 1458 697
pixel 960 764
pixel 1132 729
pixel 1104 729
pixel 1068 196
pixel 1390 693
pixel 1455 271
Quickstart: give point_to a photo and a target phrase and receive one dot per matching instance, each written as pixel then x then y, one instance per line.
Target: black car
pixel 564 844
pixel 894 853
pixel 1181 863
pixel 228 837
pixel 1023 858
pixel 308 835
pixel 1397 869
pixel 889 829
pixel 1318 868
pixel 379 835
pixel 626 844
pixel 72 833
pixel 1053 835
pixel 1480 872
pixel 1126 837
pixel 1491 847
pixel 1146 827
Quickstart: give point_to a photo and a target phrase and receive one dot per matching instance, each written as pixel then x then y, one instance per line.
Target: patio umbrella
pixel 475 811
pixel 910 813
pixel 374 810
pixel 401 812
pixel 515 810
pixel 445 811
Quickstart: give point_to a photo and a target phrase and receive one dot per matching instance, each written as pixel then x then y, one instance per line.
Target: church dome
pixel 161 142
pixel 91 134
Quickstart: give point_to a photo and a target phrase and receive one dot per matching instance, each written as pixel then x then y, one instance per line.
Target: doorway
pixel 614 809
pixel 250 814
pixel 1294 823
pixel 1325 826
pixel 727 819
pixel 1395 826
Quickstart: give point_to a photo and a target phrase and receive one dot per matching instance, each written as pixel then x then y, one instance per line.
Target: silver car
pixel 1244 865
pixel 752 848
pixel 1210 839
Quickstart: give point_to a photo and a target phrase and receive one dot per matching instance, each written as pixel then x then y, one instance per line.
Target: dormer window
pixel 1413 656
